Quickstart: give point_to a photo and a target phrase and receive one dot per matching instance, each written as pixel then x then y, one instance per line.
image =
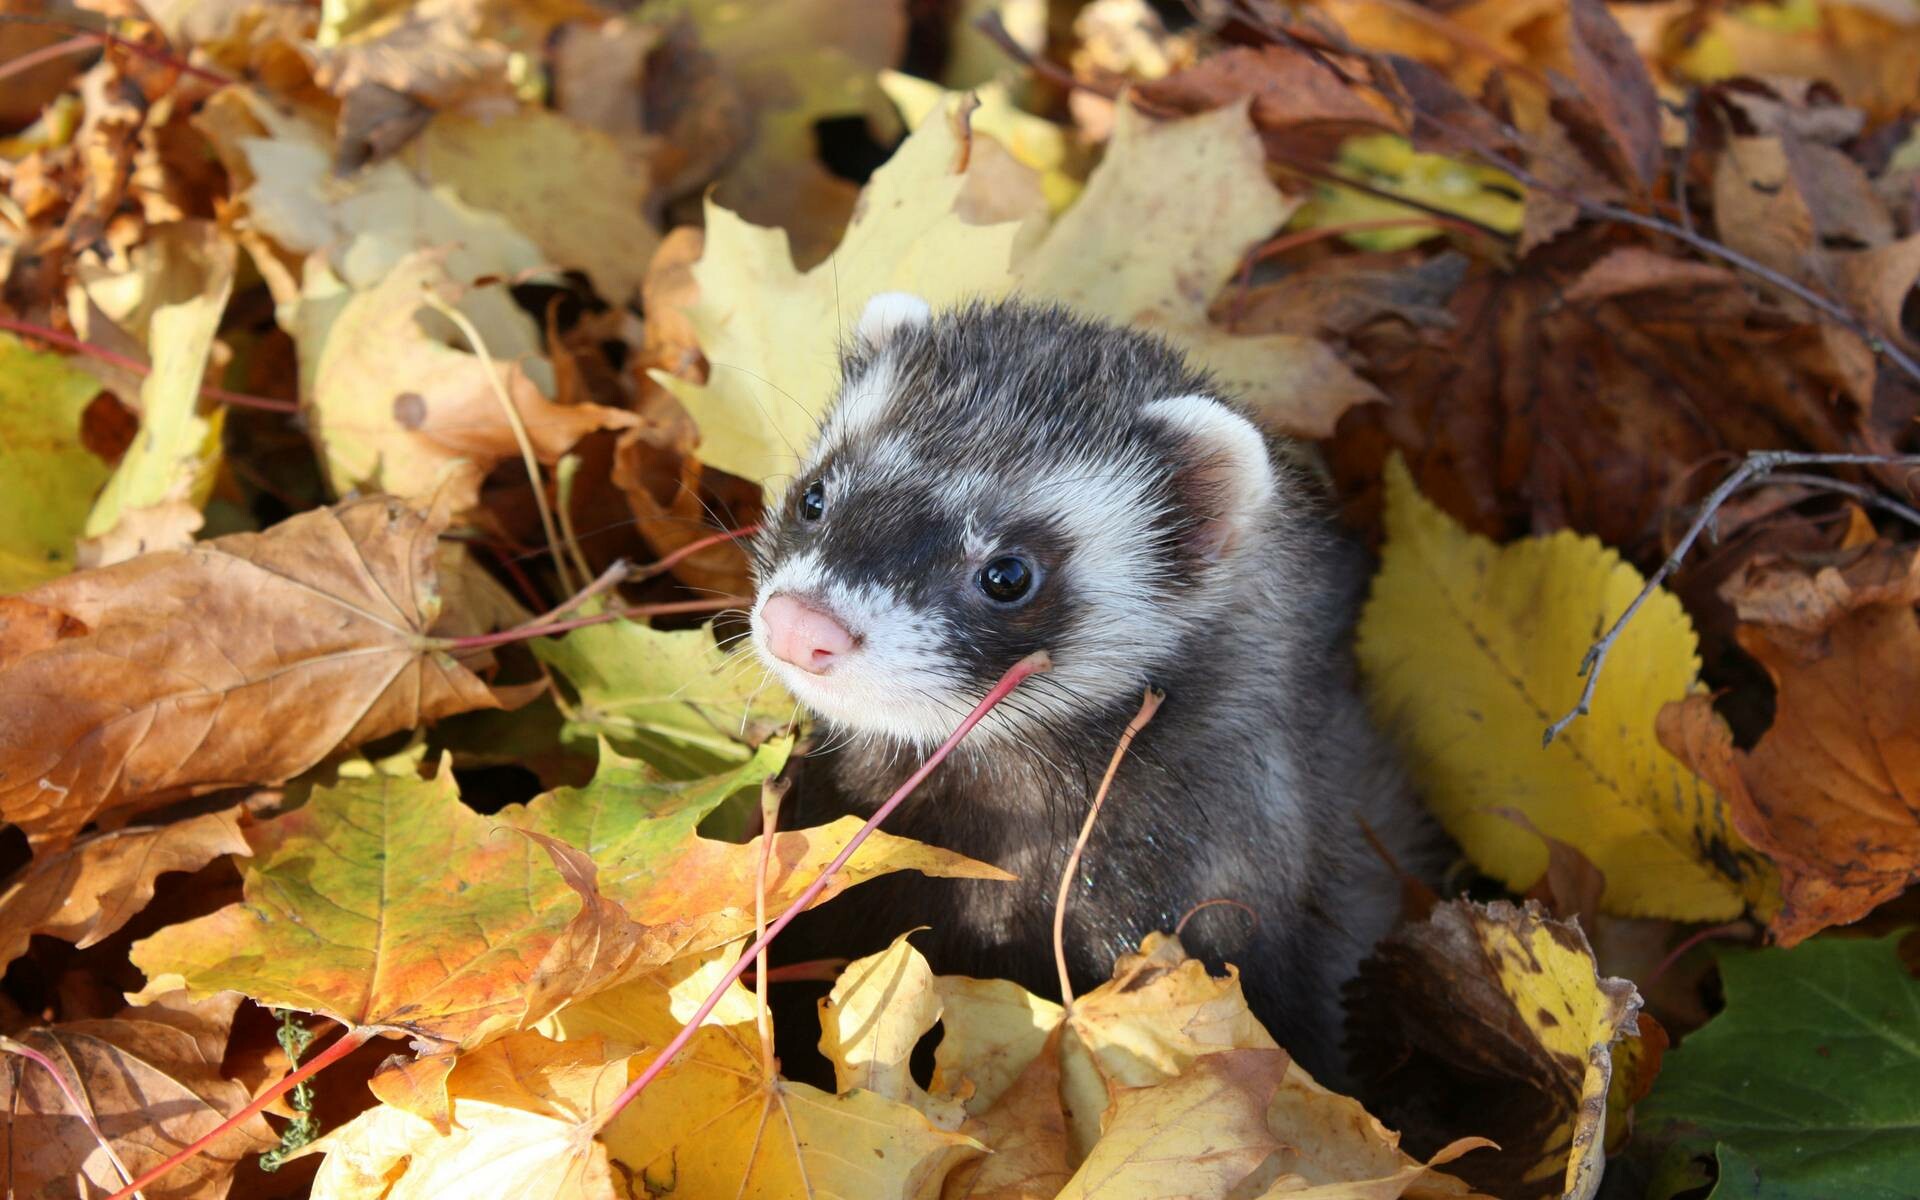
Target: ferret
pixel 1003 478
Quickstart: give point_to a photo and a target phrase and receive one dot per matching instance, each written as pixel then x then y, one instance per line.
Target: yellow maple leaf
pixel 1470 651
pixel 769 330
pixel 173 462
pixel 879 1009
pixel 521 1125
pixel 1034 141
pixel 1160 228
pixel 717 1123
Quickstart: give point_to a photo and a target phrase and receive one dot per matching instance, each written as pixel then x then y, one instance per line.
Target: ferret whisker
pixel 746 710
pixel 764 412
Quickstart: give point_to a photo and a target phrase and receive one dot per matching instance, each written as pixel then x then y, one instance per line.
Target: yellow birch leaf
pixel 1523 1017
pixel 1470 651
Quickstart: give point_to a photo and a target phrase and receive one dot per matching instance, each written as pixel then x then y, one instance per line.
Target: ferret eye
pixel 1006 579
pixel 813 501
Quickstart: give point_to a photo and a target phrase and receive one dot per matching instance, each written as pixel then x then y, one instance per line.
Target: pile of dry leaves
pixel 350 352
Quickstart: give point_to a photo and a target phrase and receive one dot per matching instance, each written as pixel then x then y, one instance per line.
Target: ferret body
pixel 1003 478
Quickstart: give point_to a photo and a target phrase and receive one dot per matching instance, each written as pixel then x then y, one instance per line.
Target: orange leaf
pixel 385 902
pixel 1832 792
pixel 85 893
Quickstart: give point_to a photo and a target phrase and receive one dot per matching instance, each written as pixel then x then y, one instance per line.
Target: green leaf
pixel 50 477
pixel 386 902
pixel 1808 1085
pixel 631 819
pixel 673 698
pixel 641 831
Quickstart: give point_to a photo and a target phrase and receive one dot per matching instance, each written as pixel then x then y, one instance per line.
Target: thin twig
pixel 1149 704
pixel 1834 311
pixel 1691 113
pixel 563 476
pixel 1682 231
pixel 1713 932
pixel 526 633
pixel 68 342
pixel 991 26
pixel 344 1045
pixel 105 37
pixel 814 970
pixel 1855 491
pixel 609 579
pixel 1252 914
pixel 692 548
pixel 47 54
pixel 1758 463
pixel 1015 676
pixel 80 1108
pixel 555 545
pixel 772 792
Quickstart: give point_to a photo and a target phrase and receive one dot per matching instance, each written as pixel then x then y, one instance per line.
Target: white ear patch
pixel 887 314
pixel 1229 469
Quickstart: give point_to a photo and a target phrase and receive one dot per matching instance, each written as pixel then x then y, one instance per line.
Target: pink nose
pixel 803 636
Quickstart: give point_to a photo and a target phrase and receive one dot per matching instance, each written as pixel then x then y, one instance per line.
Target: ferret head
pixel 992 481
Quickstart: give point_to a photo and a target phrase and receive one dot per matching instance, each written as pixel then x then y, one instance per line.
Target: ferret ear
pixel 1228 473
pixel 887 314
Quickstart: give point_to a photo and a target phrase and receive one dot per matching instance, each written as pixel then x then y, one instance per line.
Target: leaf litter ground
pixel 540 281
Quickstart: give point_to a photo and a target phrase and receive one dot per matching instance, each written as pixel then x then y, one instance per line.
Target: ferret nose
pixel 802 635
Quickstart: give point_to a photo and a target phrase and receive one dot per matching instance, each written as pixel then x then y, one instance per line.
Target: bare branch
pixel 1758 464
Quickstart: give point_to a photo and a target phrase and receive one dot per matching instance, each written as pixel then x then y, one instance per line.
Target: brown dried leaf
pixel 152 1078
pixel 246 659
pixel 1831 792
pixel 88 891
pixel 396 409
pixel 1617 85
pixel 1301 108
pixel 1534 411
pixel 1492 1019
pixel 1813 592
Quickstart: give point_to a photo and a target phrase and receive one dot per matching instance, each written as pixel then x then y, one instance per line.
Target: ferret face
pixel 994 481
